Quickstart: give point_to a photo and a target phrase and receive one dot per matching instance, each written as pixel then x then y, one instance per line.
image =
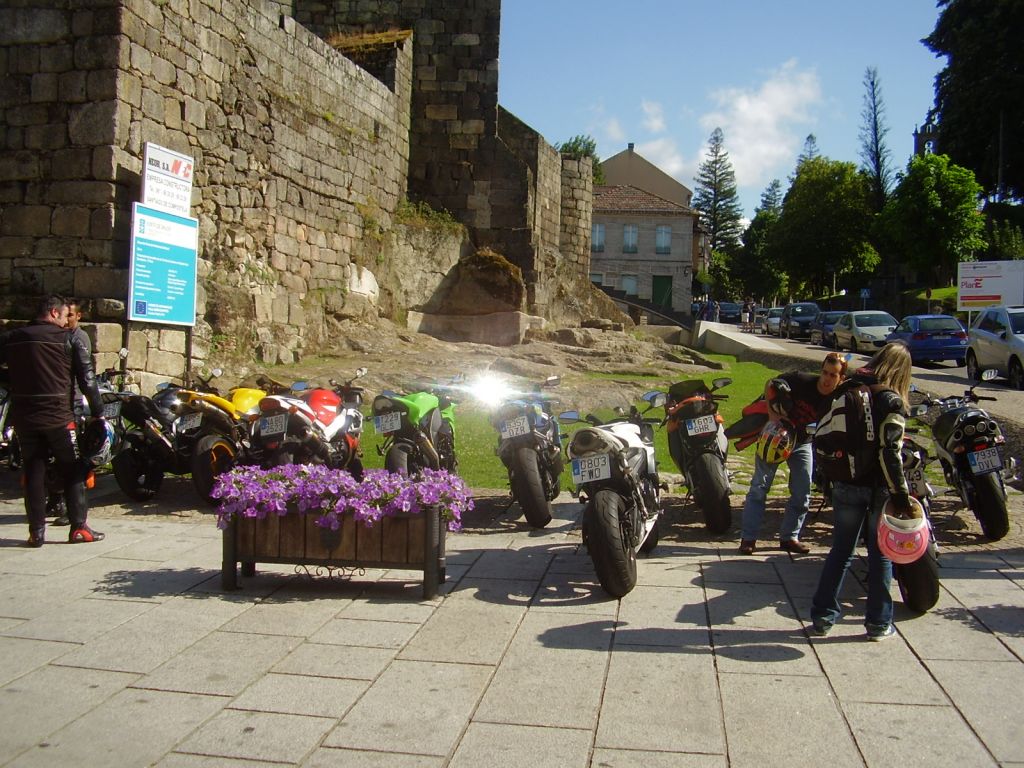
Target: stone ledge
pixel 501 329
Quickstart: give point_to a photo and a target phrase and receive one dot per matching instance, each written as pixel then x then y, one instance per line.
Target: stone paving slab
pixel 258 736
pixel 519 746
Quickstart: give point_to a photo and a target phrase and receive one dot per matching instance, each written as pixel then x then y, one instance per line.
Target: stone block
pixel 263 306
pixel 73 163
pixel 45 137
pixel 138 349
pixel 165 363
pixel 44 87
pixel 71 86
pixel 96 282
pixel 59 280
pixel 26 221
pixel 36 27
pixel 107 337
pixel 19 166
pixel 280 310
pixel 172 340
pixel 71 221
pixel 442 112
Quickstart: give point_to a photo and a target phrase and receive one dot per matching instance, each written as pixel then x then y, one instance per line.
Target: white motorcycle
pixel 616 476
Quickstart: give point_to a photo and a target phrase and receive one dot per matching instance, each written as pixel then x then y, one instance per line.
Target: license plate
pixel 916 483
pixel 590 468
pixel 701 425
pixel 942 336
pixel 274 425
pixel 189 421
pixel 112 410
pixel 514 427
pixel 388 422
pixel 983 461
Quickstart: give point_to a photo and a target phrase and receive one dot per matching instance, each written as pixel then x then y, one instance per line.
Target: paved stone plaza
pixel 127 653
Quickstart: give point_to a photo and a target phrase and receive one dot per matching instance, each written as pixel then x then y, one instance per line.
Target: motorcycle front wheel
pixel 919 582
pixel 613 557
pixel 135 470
pixel 711 492
pixel 990 506
pixel 213 455
pixel 528 487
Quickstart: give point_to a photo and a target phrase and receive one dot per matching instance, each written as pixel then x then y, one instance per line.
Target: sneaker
pixel 795 546
pixel 62 520
pixel 747 547
pixel 877 633
pixel 820 627
pixel 36 539
pixel 85 534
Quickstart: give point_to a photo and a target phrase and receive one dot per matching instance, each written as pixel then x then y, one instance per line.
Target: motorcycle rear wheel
pixel 398 460
pixel 919 582
pixel 528 487
pixel 614 559
pixel 135 470
pixel 213 455
pixel 990 506
pixel 711 492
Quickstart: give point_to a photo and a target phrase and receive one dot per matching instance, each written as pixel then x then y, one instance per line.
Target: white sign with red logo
pixel 167 180
pixel 989 283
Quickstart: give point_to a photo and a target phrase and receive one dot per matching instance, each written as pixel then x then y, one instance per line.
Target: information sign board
pixel 989 283
pixel 167 180
pixel 164 254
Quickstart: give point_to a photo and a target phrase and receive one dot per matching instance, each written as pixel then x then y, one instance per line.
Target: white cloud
pixel 665 154
pixel 613 130
pixel 654 117
pixel 765 127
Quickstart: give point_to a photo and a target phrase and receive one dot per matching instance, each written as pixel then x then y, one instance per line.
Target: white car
pixel 864 330
pixel 770 322
pixel 996 340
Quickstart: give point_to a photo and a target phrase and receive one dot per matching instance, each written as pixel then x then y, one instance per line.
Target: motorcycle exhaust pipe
pixel 428 450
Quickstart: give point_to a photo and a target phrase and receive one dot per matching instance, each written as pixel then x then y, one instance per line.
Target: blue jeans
pixel 853 508
pixel 800 463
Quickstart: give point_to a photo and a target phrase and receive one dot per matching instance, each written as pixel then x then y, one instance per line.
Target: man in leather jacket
pixel 43 357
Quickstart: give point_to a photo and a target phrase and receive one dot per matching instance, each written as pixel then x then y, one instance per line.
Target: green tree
pixel 756 267
pixel 582 146
pixel 933 216
pixel 716 197
pixel 979 94
pixel 823 232
pixel 1005 241
pixel 875 155
pixel 771 198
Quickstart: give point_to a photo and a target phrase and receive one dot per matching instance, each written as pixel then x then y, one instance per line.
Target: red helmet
pixel 903 540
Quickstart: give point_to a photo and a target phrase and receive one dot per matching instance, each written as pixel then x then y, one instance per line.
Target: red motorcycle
pixel 311 426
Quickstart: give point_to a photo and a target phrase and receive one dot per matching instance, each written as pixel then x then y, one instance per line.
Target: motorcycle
pixel 616 476
pixel 699 447
pixel 418 429
pixel 305 426
pixel 919 581
pixel 530 447
pixel 968 443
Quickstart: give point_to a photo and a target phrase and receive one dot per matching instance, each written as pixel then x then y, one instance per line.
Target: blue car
pixel 932 338
pixel 822 325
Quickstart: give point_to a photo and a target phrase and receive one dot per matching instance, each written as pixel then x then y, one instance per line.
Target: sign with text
pixel 164 253
pixel 167 180
pixel 988 283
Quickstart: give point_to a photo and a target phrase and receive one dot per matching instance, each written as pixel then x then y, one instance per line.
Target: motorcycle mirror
pixel 569 416
pixel 620 410
pixel 299 386
pixel 360 372
pixel 719 383
pixel 919 410
pixel 913 387
pixel 988 374
pixel 216 373
pixel 123 353
pixel 655 399
pixel 552 381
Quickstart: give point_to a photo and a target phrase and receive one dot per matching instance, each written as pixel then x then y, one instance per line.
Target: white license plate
pixel 189 422
pixel 983 461
pixel 514 427
pixel 590 468
pixel 274 425
pixel 916 483
pixel 701 425
pixel 388 422
pixel 112 410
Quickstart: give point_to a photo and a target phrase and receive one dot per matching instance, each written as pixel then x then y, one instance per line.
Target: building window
pixel 663 239
pixel 630 232
pixel 627 283
pixel 597 278
pixel 597 239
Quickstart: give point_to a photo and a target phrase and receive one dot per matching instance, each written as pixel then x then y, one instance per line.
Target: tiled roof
pixel 622 198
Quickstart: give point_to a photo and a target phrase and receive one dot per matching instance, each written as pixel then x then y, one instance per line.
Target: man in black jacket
pixel 43 358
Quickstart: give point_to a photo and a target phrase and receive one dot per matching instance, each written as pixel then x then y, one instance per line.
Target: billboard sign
pixel 167 180
pixel 988 283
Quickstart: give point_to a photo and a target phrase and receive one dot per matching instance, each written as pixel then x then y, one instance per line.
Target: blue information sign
pixel 164 252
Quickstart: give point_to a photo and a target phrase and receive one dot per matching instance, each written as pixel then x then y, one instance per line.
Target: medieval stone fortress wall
pixel 310 123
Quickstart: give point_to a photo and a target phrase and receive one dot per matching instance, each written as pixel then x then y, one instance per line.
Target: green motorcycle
pixel 418 429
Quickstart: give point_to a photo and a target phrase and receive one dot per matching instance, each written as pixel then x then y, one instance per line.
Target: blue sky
pixel 664 73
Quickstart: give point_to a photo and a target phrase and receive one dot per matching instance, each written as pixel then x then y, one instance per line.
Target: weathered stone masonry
pixel 302 156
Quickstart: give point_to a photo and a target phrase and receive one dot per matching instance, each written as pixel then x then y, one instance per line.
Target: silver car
pixel 996 340
pixel 770 322
pixel 863 331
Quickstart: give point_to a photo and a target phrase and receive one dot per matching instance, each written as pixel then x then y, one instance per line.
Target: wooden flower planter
pixel 413 542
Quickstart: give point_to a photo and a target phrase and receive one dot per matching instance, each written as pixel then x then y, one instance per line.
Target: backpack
pixel 846 439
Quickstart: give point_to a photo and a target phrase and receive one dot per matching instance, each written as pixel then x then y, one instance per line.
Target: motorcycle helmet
pixel 903 540
pixel 97 442
pixel 776 442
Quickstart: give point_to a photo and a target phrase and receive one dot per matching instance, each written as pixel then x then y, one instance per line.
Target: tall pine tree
pixel 875 155
pixel 716 197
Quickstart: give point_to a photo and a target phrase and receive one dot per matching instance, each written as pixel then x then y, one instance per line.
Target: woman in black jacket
pixel 860 503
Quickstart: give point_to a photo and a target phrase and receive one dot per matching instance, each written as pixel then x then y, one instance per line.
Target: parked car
pixel 864 330
pixel 932 338
pixel 728 312
pixel 796 319
pixel 996 340
pixel 759 316
pixel 770 323
pixel 821 327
